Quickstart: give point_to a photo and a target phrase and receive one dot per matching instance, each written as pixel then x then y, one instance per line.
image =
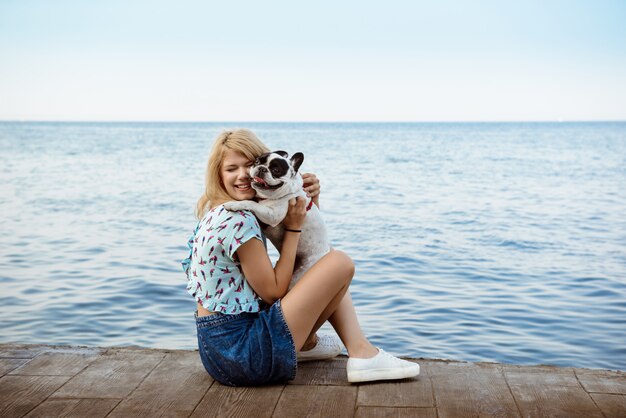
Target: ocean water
pixel 472 241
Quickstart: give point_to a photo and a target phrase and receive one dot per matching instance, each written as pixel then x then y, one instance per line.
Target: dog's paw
pixel 235 205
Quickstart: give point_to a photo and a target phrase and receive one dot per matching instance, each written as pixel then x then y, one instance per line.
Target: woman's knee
pixel 344 264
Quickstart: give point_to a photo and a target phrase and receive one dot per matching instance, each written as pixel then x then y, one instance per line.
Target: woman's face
pixel 234 173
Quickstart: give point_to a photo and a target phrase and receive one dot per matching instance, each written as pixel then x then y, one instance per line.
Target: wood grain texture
pixel 328 372
pixel 602 381
pixel 537 400
pixel 7 365
pixel 471 390
pixel 612 406
pixel 173 389
pixel 545 375
pixel 415 392
pixel 21 350
pixel 224 401
pixel 55 363
pixel 114 374
pixel 20 394
pixel 74 408
pixel 386 412
pixel 316 401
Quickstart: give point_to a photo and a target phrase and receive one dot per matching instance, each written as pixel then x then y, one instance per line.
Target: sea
pixel 495 242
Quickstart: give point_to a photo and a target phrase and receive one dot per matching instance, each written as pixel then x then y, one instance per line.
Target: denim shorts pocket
pixel 208 359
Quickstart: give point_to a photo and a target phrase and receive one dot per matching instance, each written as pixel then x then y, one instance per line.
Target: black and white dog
pixel 276 179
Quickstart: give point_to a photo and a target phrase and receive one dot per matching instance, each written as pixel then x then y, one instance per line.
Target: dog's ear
pixel 282 153
pixel 296 160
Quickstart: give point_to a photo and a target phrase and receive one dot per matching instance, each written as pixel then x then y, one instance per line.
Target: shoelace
pixel 394 359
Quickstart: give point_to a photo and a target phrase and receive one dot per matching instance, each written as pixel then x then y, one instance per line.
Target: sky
pixel 368 61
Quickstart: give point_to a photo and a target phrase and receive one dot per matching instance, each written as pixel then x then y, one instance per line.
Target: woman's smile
pixel 243 187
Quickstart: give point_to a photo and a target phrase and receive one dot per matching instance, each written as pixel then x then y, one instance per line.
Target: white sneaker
pixel 327 346
pixel 383 366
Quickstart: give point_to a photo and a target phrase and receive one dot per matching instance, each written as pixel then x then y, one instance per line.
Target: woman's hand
pixel 295 214
pixel 312 187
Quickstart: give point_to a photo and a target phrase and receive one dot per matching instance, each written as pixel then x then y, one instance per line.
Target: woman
pixel 249 326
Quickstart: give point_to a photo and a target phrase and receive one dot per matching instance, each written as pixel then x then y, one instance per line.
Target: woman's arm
pixel 272 283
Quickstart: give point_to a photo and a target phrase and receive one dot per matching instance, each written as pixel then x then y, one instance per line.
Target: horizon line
pixel 311 121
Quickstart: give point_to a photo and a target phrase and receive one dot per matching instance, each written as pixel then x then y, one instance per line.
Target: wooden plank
pixel 224 401
pixel 386 412
pixel 180 382
pixel 471 390
pixel 21 350
pixel 70 408
pixel 415 392
pixel 113 375
pixel 9 364
pixel 610 405
pixel 544 375
pixel 20 394
pixel 443 367
pixel 58 363
pixel 537 400
pixel 602 381
pixel 328 372
pixel 338 362
pixel 316 401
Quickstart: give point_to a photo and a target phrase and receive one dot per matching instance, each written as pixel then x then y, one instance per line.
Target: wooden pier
pixel 54 381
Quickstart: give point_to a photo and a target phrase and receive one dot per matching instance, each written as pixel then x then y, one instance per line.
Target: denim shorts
pixel 247 349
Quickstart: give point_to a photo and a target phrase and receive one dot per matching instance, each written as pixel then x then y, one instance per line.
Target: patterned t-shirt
pixel 214 274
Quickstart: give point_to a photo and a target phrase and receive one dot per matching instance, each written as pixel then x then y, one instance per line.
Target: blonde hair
pixel 243 141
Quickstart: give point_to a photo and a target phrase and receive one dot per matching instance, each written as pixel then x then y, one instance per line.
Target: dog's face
pixel 274 175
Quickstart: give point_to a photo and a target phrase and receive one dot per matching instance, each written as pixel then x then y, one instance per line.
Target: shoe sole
pixel 382 374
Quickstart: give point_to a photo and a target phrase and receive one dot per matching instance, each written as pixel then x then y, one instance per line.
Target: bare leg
pixel 320 289
pixel 332 307
pixel 345 322
pixel 321 292
pixel 311 340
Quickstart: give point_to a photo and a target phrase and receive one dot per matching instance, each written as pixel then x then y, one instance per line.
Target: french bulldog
pixel 276 179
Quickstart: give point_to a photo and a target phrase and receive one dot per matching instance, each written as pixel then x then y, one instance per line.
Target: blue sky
pixel 319 61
